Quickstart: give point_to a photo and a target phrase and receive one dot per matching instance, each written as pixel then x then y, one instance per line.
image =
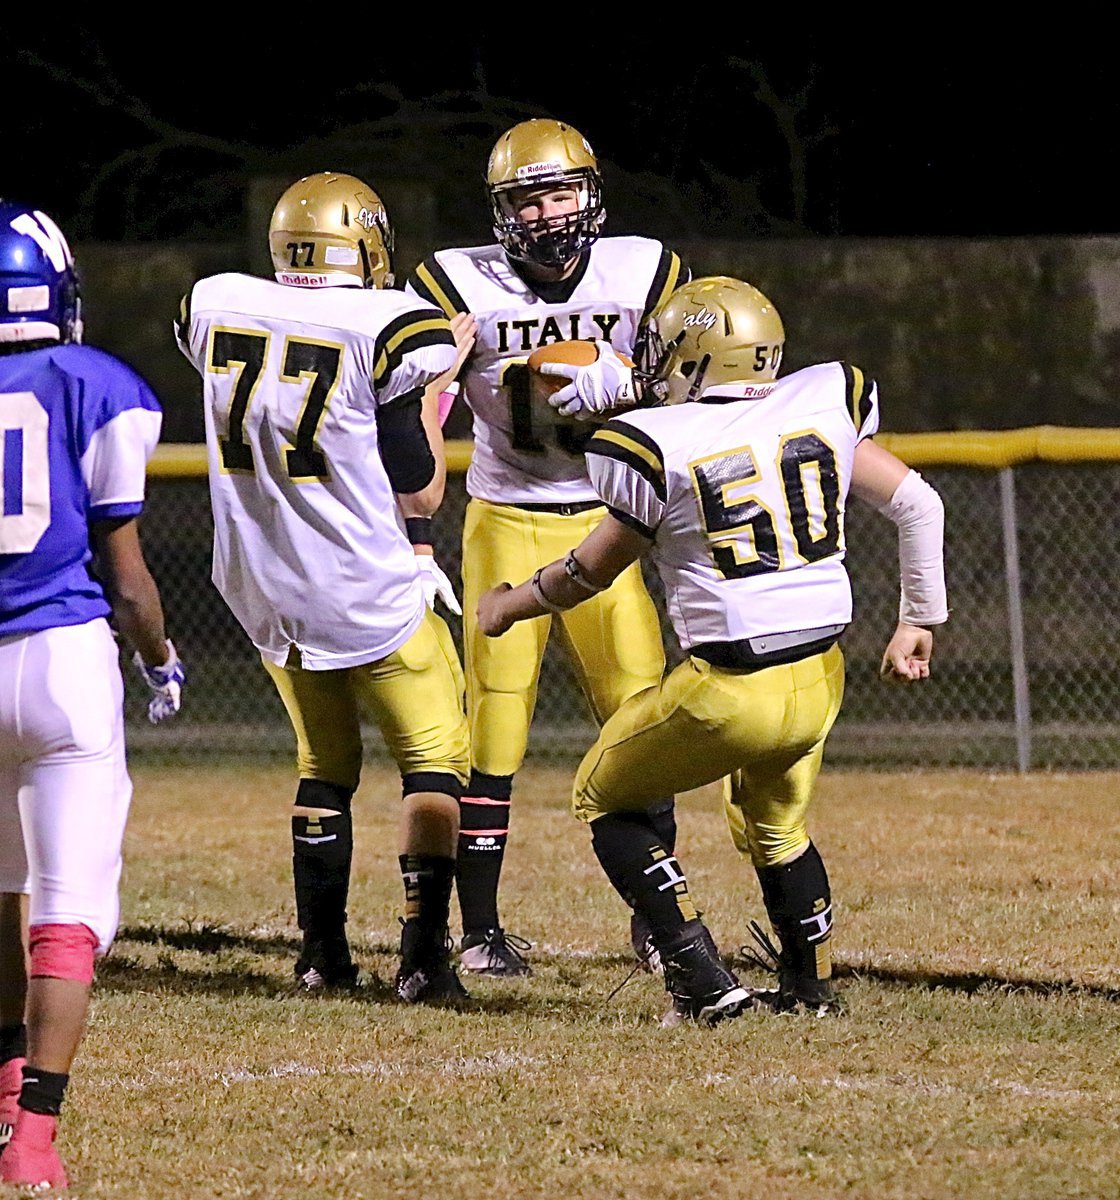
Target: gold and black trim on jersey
pixel 637 450
pixel 632 522
pixel 857 394
pixel 183 323
pixel 671 273
pixel 411 331
pixel 432 282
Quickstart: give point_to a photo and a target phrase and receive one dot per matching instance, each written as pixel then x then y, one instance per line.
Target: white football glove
pixel 436 584
pixel 166 682
pixel 600 386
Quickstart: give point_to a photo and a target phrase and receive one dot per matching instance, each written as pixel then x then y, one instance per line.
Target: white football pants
pixel 64 785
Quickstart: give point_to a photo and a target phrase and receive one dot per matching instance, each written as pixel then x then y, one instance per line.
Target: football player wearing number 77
pixel 77 427
pixel 737 489
pixel 326 464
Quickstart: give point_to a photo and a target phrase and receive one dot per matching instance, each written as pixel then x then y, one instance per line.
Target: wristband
pixel 419 530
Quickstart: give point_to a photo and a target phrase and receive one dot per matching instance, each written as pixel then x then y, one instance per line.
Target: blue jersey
pixel 77 427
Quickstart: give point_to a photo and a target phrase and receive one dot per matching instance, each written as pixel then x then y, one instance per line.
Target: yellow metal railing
pixel 962 448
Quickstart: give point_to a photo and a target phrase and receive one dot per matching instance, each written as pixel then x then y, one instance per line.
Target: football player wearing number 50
pixel 77 427
pixel 326 463
pixel 739 498
pixel 549 279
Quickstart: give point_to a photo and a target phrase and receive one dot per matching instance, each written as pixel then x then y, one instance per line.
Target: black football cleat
pixel 795 994
pixel 325 964
pixel 426 975
pixel 702 988
pixel 799 997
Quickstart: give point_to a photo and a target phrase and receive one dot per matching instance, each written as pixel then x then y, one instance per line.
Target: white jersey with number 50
pixel 309 544
pixel 743 493
pixel 524 451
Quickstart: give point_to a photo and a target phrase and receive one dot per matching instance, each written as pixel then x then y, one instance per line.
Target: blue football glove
pixel 166 682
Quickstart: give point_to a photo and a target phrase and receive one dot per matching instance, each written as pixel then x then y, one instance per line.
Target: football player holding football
pixel 77 427
pixel 549 279
pixel 326 463
pixel 737 489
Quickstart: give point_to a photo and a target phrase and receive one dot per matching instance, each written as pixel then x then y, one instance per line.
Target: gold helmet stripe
pixel 432 282
pixel 628 446
pixel 670 272
pixel 858 392
pixel 412 331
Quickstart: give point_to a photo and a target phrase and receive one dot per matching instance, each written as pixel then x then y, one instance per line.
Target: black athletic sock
pixel 483 833
pixel 644 873
pixel 799 904
pixel 43 1091
pixel 322 848
pixel 428 879
pixel 13 1042
pixel 663 815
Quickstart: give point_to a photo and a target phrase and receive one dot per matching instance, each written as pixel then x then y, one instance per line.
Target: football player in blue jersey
pixel 77 427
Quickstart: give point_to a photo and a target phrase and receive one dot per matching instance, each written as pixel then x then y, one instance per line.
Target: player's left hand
pixel 436 584
pixel 596 388
pixel 492 617
pixel 907 656
pixel 166 682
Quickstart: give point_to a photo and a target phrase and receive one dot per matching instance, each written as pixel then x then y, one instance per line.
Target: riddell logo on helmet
pixel 536 170
pixel 703 317
pixel 303 279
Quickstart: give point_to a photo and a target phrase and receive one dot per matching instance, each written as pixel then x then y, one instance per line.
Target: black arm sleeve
pixel 403 443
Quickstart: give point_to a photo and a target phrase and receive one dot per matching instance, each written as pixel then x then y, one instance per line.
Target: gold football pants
pixel 414 695
pixel 613 639
pixel 761 731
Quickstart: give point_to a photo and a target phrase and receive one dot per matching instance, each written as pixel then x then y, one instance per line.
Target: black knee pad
pixel 318 793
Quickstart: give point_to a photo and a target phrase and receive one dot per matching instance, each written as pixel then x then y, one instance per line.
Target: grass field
pixel 978 943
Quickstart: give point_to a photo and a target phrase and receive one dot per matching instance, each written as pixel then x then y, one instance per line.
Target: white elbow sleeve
pixel 917 511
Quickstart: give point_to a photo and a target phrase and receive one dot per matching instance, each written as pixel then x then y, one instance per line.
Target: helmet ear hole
pixel 687 368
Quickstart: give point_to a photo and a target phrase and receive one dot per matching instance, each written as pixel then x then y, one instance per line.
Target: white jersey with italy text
pixel 743 493
pixel 309 544
pixel 524 451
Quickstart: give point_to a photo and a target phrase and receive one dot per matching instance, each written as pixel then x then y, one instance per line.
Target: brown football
pixel 579 354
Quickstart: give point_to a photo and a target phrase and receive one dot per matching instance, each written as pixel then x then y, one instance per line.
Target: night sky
pixel 966 139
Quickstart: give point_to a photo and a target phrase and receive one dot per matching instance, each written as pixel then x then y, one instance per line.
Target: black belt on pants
pixel 770 649
pixel 564 510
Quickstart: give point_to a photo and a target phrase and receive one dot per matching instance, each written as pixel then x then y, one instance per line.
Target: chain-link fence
pixel 1026 673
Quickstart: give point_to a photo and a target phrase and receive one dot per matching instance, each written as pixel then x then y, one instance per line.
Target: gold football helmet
pixel 539 154
pixel 331 230
pixel 712 330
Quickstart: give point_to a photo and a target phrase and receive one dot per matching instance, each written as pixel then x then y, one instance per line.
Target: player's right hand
pixel 166 682
pixel 595 388
pixel 906 658
pixel 436 584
